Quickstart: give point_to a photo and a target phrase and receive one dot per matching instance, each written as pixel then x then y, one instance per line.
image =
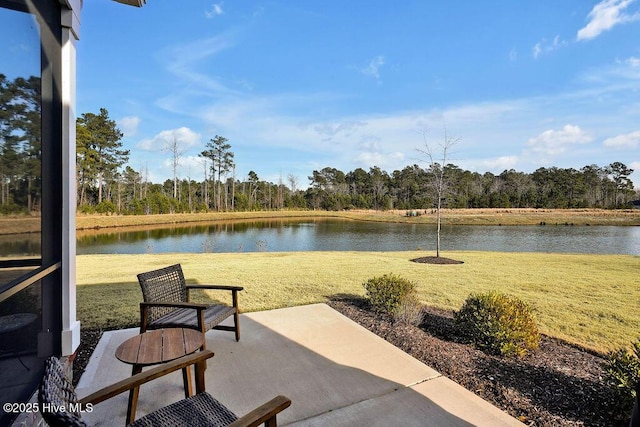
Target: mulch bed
pixel 436 260
pixel 557 385
pixel 89 339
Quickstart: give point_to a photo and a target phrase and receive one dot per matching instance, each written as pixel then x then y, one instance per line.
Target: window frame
pixel 49 266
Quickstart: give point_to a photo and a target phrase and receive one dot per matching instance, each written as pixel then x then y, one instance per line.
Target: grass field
pixel 590 300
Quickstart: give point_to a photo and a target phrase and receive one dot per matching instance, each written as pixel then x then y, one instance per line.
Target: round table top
pixel 159 346
pixel 12 322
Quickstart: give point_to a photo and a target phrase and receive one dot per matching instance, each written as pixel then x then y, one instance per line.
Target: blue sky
pixel 298 86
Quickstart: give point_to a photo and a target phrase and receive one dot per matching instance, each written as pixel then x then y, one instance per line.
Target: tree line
pixel 410 188
pixel 126 191
pixel 106 183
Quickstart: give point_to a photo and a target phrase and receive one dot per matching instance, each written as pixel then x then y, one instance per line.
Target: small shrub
pixel 623 369
pixel 409 310
pixel 387 291
pixel 10 208
pixel 106 207
pixel 86 209
pixel 498 323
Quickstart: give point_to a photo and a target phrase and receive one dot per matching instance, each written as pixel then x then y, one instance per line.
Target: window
pixel 20 138
pixel 30 194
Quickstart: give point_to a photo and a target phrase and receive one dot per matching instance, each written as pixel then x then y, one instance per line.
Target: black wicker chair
pixel 166 303
pixel 635 415
pixel 56 392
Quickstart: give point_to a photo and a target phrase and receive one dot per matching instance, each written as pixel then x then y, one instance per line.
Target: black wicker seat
pixel 188 318
pixel 635 415
pixel 202 410
pixel 167 303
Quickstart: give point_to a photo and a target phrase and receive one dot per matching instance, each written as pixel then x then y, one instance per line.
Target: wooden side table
pixel 155 347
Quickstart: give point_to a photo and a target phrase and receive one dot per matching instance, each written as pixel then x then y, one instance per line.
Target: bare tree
pixel 205 184
pixel 144 182
pixel 280 195
pixel 293 182
pixel 190 200
pixel 233 187
pixel 438 167
pixel 173 147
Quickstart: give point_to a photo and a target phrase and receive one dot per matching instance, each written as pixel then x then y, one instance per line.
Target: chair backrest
pixel 57 397
pixel 635 415
pixel 163 285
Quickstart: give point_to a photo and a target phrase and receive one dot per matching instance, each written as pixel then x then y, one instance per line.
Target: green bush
pixel 498 323
pixel 86 209
pixel 386 292
pixel 623 369
pixel 106 207
pixel 11 208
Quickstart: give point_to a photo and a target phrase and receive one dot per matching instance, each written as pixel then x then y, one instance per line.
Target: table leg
pixel 186 379
pixel 133 397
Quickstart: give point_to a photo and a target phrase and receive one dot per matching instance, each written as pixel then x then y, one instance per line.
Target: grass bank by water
pixel 590 300
pixel 31 224
pixel 449 216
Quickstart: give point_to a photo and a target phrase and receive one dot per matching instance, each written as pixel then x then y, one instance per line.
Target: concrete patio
pixel 336 373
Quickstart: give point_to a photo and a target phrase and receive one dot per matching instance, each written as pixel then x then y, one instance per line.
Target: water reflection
pixel 345 235
pixel 340 235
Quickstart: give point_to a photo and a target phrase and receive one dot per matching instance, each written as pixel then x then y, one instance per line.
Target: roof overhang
pixel 136 3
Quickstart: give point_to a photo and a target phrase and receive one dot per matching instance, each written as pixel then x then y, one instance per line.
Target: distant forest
pixel 107 184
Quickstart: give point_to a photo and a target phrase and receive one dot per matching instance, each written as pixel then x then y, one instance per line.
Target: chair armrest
pixel 146 376
pixel 218 287
pixel 175 304
pixel 144 312
pixel 263 413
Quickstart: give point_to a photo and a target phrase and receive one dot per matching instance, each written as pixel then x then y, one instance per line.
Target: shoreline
pixel 483 216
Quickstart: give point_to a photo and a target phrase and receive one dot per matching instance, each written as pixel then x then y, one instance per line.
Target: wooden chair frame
pixel 178 297
pixel 264 414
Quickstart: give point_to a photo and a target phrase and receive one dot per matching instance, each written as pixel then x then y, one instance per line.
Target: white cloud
pixel 186 139
pixel 606 15
pixel 633 62
pixel 622 75
pixel 191 167
pixel 373 69
pixel 385 161
pixel 183 61
pixel 216 10
pixel 371 143
pixel 553 142
pixel 129 125
pixel 330 130
pixel 273 130
pixel 497 164
pixel 546 46
pixel 537 50
pixel 626 141
pixel 635 176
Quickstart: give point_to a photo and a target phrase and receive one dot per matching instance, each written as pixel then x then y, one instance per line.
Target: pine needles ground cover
pixel 589 300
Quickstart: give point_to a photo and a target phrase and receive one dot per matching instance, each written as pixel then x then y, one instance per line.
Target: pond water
pixel 343 235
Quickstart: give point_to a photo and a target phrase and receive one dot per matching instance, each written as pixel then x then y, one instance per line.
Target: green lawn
pixel 590 300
